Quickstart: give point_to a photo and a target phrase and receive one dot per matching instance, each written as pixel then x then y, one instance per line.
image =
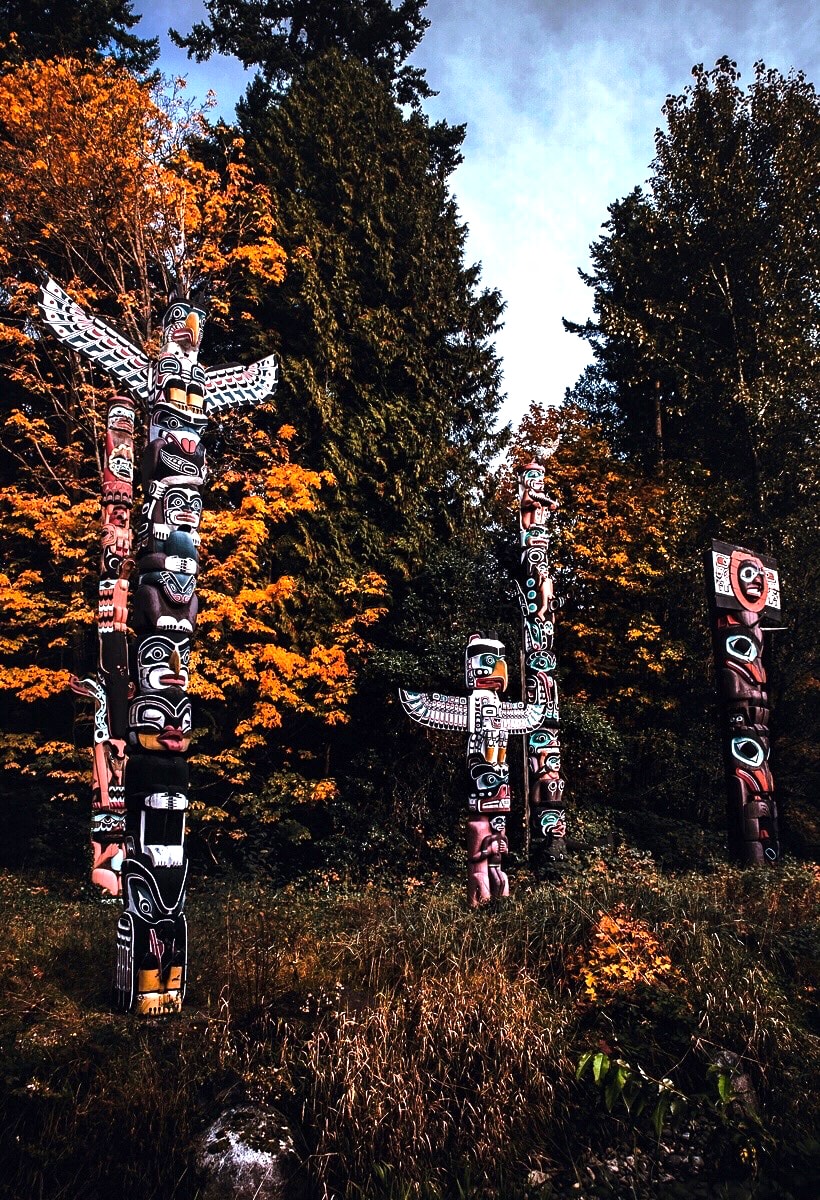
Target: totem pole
pixel 109 688
pixel 488 721
pixel 744 590
pixel 143 712
pixel 538 601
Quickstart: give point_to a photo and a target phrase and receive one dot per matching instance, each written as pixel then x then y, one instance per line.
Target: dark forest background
pixel 363 524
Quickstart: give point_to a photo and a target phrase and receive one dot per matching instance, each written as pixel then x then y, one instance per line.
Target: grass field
pixel 423 1050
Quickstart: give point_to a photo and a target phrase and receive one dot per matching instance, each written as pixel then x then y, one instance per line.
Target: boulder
pixel 249 1153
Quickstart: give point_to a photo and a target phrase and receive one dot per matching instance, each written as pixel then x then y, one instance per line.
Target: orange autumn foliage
pixel 625 560
pixel 623 953
pixel 100 186
pixel 99 178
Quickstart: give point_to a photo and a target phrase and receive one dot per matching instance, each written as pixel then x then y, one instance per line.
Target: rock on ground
pixel 249 1153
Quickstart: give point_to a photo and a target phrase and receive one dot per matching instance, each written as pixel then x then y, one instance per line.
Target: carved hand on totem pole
pixel 141 690
pixel 488 722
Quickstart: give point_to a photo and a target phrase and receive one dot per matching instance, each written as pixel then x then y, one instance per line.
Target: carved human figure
pixel 486 848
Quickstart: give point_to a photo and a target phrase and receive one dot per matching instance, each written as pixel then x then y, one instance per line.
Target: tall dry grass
pixel 423 1050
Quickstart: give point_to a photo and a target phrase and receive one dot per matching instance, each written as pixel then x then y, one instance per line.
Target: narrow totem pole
pixel 109 687
pixel 488 722
pixel 744 590
pixel 143 711
pixel 536 594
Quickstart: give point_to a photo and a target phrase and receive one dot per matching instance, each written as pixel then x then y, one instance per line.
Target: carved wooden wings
pixel 226 387
pixel 96 340
pixel 453 712
pixel 436 711
pixel 522 718
pixel 238 386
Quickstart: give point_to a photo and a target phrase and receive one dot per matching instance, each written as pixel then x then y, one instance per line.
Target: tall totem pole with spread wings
pixel 488 722
pixel 142 725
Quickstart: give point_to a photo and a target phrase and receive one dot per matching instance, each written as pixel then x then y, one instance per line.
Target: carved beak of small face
pixel 500 672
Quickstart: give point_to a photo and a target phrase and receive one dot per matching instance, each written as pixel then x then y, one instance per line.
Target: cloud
pixel 562 102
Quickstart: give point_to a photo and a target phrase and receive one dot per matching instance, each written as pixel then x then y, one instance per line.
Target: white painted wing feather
pixel 436 711
pixel 91 336
pixel 522 718
pixel 239 386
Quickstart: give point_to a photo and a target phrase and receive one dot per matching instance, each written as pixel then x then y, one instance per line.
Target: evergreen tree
pixel 100 189
pixel 47 28
pixel 282 37
pixel 707 303
pixel 706 292
pixel 388 371
pixel 389 376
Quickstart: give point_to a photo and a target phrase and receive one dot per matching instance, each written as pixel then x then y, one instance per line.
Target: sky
pixel 561 99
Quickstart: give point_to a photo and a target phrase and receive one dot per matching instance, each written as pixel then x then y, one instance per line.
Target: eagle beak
pixel 499 671
pixel 192 323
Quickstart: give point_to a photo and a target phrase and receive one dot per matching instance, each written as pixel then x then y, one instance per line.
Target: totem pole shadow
pixel 78 971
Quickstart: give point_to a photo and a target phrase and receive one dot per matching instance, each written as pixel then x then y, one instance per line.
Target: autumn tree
pixel 102 189
pixel 632 645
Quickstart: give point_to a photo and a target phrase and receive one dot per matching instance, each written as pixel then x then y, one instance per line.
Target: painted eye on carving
pixel 748 752
pixel 540 662
pixel 487 660
pixel 539 739
pixel 741 647
pixel 487 781
pixel 153 654
pixel 140 898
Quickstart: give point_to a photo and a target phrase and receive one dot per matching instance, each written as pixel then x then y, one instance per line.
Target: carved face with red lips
pixel 121 415
pixel 162 720
pixel 748 579
pixel 182 507
pixel 169 421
